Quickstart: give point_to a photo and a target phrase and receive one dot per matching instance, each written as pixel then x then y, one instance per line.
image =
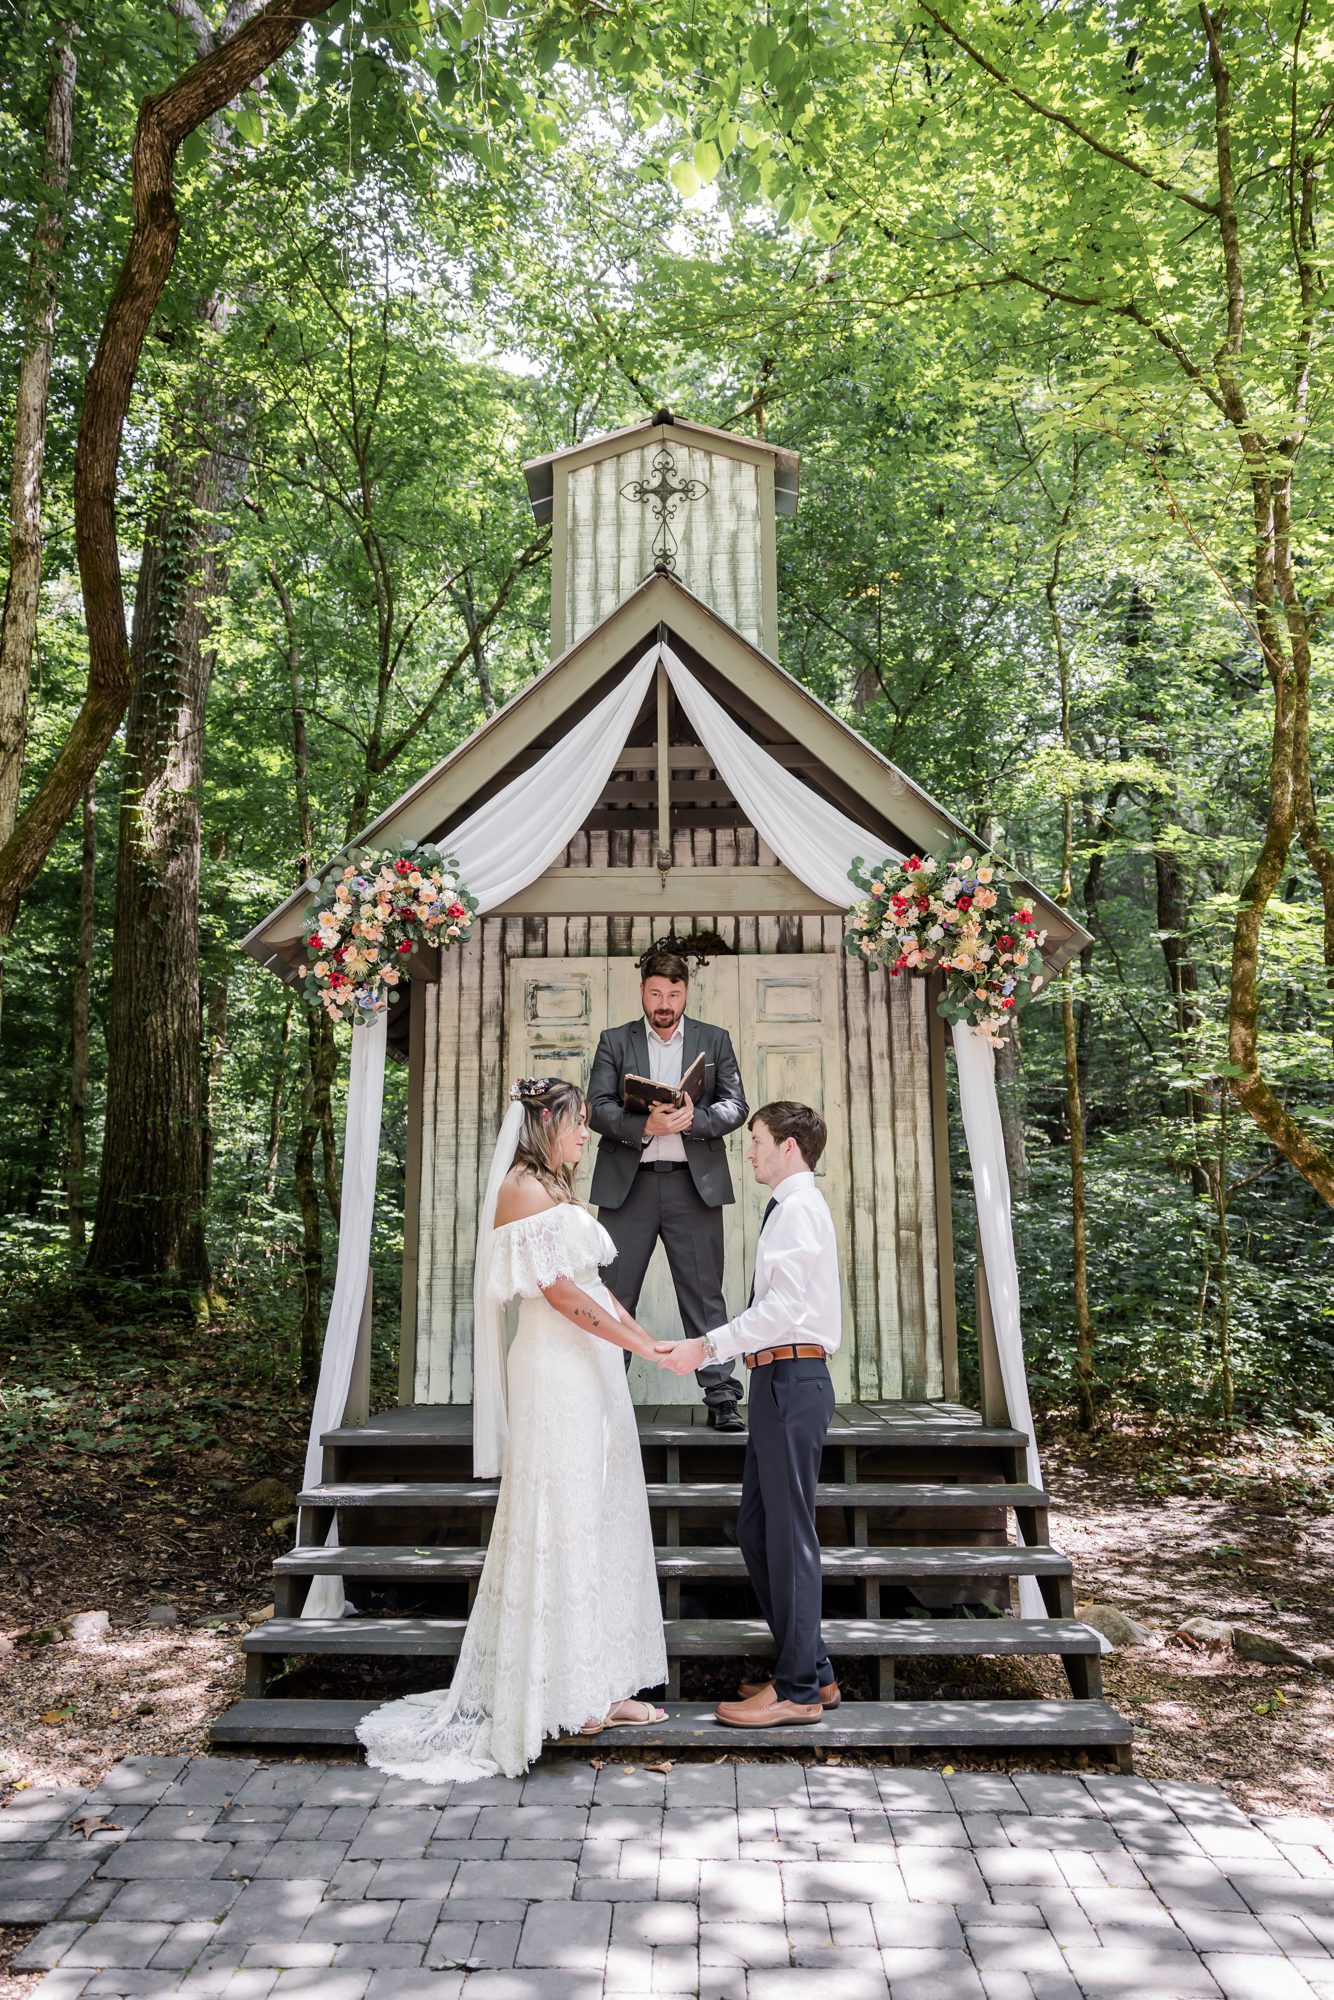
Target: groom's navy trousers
pixel 791 1403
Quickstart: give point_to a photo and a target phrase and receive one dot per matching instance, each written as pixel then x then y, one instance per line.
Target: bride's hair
pixel 550 1107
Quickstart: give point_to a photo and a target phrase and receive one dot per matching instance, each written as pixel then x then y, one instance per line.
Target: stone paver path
pixel 232 1877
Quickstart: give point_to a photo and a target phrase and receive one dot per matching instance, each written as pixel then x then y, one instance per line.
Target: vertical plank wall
pixel 904 1320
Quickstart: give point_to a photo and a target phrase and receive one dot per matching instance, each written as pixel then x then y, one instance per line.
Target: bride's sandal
pixel 650 1715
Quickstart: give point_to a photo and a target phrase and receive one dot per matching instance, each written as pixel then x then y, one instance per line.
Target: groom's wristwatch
pixel 710 1351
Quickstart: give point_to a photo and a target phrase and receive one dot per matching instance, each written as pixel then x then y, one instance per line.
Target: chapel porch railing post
pixel 995 1405
pixel 358 1406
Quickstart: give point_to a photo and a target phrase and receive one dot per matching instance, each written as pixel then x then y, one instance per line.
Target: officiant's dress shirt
pixel 797 1294
pixel 664 1066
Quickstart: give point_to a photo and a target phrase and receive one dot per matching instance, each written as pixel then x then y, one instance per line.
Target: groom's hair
pixel 785 1120
pixel 664 965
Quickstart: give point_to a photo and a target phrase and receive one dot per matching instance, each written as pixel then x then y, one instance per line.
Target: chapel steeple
pixel 668 495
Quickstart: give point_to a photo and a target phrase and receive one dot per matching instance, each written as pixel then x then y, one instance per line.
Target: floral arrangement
pixel 371 917
pixel 959 911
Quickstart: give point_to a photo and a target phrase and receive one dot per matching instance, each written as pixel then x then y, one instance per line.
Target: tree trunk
pixel 165 120
pixel 77 1135
pixel 150 1207
pixel 18 631
pixel 1084 1336
pixel 215 1052
pixel 276 1104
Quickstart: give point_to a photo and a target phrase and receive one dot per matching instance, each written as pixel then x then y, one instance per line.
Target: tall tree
pixel 166 120
pixel 18 626
pixel 1159 192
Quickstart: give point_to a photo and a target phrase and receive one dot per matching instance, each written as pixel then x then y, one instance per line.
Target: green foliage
pixel 450 238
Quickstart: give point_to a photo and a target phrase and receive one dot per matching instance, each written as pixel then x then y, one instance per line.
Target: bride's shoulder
pixel 521 1197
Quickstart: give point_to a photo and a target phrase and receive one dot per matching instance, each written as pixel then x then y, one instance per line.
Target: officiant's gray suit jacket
pixel 721 1108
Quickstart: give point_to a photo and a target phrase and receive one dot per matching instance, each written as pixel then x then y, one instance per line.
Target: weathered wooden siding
pixel 902 1343
pixel 609 539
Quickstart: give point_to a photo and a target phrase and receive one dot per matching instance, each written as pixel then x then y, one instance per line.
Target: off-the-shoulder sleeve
pixel 531 1253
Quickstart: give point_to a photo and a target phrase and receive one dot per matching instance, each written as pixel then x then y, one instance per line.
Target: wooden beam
pixel 694 757
pixel 685 792
pixel 664 773
pixel 641 892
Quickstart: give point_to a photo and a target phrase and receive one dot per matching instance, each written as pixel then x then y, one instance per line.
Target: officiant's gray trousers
pixel 791 1403
pixel 667 1205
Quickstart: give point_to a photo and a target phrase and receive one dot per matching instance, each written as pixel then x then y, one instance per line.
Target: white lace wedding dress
pixel 567 1618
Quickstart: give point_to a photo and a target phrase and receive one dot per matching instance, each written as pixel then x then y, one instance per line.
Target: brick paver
pixel 244 1879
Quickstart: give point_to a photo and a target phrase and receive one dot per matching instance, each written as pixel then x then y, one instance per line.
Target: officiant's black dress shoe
pixel 725 1420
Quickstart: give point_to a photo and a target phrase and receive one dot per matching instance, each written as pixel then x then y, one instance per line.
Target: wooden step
pixel 857 1725
pixel 912 1426
pixel 398 1560
pixel 687 1493
pixel 696 1638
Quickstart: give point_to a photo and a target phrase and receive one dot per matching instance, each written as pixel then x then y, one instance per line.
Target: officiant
pixel 663 1176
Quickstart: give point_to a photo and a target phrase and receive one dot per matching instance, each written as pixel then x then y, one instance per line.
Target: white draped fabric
pixel 361 1153
pixel 976 1062
pixel 510 841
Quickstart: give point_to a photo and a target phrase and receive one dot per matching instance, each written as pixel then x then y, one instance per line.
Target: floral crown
pixel 527 1089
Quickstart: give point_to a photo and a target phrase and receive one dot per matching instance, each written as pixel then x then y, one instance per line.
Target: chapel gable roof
pixel 775 706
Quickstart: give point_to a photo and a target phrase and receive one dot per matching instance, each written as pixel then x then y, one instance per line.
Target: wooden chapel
pixel 667 531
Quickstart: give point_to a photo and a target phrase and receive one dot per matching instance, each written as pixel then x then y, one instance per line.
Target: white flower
pixel 952 887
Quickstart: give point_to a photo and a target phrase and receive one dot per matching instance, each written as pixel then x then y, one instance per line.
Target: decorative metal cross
pixel 665 498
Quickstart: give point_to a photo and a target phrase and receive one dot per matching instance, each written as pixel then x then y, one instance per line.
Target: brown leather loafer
pixel 829 1696
pixel 765 1711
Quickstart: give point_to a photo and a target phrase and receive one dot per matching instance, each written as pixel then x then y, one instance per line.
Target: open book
pixel 641 1093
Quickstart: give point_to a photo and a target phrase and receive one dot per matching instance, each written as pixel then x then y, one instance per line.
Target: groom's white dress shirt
pixel 797 1293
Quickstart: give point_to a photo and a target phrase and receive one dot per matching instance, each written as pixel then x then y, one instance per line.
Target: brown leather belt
pixel 804 1351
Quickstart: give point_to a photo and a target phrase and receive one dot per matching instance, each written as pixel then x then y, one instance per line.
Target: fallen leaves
pixel 92 1823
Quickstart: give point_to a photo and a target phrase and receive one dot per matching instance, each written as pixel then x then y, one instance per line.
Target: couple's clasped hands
pixel 679 1357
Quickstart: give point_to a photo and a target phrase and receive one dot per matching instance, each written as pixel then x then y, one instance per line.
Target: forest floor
pixel 124 1461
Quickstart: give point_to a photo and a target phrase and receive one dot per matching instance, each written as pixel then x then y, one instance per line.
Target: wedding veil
pixel 490 1415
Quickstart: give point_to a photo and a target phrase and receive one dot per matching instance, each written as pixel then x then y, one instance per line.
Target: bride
pixel 567 1624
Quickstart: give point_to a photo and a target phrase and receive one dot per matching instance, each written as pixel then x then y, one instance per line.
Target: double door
pixel 782 1013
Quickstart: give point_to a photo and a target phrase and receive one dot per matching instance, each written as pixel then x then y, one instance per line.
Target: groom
pixel 787 1332
pixel 666 1175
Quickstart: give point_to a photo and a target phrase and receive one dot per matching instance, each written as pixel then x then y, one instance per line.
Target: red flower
pixel 913 863
pixel 1005 942
pixel 965 902
pixel 402 867
pixel 341 953
pixel 315 942
pixel 456 913
pixel 1023 916
pixel 406 945
pixel 338 979
pixel 893 971
pixel 924 902
pixel 1009 1001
